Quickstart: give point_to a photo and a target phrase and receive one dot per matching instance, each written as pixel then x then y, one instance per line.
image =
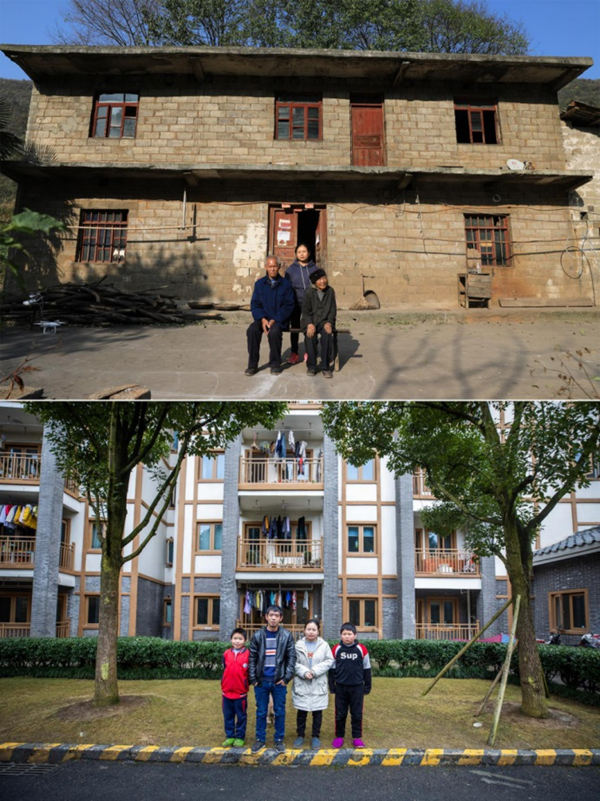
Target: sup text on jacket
pixel 352 666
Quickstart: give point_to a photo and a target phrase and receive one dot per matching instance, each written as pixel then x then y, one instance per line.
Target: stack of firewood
pixel 97 303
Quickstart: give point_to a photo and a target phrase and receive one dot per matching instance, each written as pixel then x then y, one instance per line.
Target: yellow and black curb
pixel 54 753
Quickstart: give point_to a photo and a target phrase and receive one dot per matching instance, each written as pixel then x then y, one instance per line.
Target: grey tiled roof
pixel 580 540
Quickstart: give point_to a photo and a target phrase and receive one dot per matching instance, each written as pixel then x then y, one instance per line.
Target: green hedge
pixel 569 671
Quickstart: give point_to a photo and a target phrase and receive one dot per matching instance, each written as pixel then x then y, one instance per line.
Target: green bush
pixel 569 671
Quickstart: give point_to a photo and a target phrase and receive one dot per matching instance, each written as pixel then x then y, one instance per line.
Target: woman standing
pixel 299 274
pixel 310 691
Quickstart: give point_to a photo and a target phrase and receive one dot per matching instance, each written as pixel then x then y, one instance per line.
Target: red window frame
pixel 115 116
pixel 489 234
pixel 102 235
pixel 298 114
pixel 481 122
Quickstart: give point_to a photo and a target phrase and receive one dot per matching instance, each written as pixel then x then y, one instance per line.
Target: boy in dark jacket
pixel 272 666
pixel 319 311
pixel 272 304
pixel 350 680
pixel 234 686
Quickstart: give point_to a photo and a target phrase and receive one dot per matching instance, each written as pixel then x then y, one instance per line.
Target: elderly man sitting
pixel 272 305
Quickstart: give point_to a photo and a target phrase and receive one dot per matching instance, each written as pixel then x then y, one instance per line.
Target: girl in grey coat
pixel 310 690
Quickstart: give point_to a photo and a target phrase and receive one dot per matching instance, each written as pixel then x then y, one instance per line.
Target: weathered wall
pixel 232 121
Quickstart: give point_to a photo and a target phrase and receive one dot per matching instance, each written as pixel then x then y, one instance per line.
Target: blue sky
pixel 555 27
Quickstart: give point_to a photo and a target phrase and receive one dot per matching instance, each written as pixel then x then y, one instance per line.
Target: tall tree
pixel 452 26
pixel 497 469
pixel 100 445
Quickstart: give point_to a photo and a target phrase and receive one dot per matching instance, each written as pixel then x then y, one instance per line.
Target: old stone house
pixel 184 167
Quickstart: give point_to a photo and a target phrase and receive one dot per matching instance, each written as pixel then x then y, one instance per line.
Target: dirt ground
pixel 477 353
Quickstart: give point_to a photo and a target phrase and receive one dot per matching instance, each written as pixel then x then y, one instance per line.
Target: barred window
pixel 298 118
pixel 115 116
pixel 102 236
pixel 489 235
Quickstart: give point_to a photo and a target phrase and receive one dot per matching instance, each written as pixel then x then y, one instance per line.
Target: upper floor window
pixel 361 539
pixel 488 234
pixel 365 472
pixel 102 236
pixel 298 118
pixel 115 115
pixel 211 467
pixel 210 536
pixel 476 123
pixel 98 533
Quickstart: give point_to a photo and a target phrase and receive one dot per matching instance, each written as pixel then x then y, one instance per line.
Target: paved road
pixel 473 354
pixel 122 781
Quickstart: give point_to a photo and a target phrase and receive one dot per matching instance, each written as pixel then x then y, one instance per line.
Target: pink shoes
pixel 338 742
pixel 358 743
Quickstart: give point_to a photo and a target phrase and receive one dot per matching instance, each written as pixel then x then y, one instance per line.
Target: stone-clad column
pixel 231 526
pixel 405 557
pixel 332 606
pixel 47 546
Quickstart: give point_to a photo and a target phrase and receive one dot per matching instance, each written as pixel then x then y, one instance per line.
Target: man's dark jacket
pixel 274 301
pixel 285 659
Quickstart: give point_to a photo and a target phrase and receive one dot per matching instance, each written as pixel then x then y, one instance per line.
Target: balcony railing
pixel 420 488
pixel 296 629
pixel 267 471
pixel 446 562
pixel 20 552
pixel 442 631
pixel 22 629
pixel 20 467
pixel 278 554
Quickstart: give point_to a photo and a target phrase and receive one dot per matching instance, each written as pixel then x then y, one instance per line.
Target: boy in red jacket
pixel 234 686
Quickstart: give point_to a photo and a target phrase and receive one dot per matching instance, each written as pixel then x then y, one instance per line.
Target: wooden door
pixel 368 146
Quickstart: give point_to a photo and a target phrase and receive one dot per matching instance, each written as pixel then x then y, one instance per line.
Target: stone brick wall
pixel 148 621
pixel 231 121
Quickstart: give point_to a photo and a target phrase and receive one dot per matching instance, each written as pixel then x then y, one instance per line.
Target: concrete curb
pixel 35 753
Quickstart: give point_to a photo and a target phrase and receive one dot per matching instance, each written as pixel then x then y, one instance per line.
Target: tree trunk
pixel 106 690
pixel 533 694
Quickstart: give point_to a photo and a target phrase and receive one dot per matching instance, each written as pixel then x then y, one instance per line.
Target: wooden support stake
pixel 468 645
pixel 505 671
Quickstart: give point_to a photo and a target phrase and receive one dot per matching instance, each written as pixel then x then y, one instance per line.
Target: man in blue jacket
pixel 272 304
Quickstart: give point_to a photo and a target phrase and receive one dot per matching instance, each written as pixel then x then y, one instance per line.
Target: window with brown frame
pixel 102 235
pixel 170 548
pixel 594 471
pixel 362 538
pixel 362 612
pixel 298 118
pixel 115 116
pixel 569 611
pixel 15 608
pixel 476 123
pixel 211 466
pixel 488 234
pixel 366 472
pixel 208 610
pixel 92 603
pixel 97 534
pixel 209 536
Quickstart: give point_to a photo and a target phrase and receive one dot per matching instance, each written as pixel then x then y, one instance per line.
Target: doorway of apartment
pixel 293 223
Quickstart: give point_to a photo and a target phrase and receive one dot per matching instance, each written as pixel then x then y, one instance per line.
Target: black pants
pixel 349 696
pixel 311 345
pixel 317 720
pixel 254 336
pixel 295 323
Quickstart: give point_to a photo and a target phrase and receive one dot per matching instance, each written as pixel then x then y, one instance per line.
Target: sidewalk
pixel 343 757
pixel 477 353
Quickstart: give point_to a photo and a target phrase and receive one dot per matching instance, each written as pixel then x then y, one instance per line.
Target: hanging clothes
pixel 305 600
pixel 301 529
pixel 247 604
pixel 280 446
pixel 294 600
pixel 291 441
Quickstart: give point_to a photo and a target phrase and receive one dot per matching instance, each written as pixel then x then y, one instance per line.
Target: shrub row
pixel 567 669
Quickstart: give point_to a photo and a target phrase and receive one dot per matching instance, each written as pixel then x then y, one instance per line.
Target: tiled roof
pixel 570 546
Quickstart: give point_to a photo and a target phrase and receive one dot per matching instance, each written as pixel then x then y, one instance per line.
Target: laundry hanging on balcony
pixel 13 515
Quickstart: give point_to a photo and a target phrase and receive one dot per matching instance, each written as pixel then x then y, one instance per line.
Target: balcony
pixel 446 631
pixel 296 629
pixel 420 488
pixel 22 629
pixel 278 554
pixel 20 467
pixel 20 552
pixel 445 562
pixel 289 473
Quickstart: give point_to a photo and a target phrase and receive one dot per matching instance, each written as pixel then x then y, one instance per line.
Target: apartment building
pixel 278 517
pixel 404 173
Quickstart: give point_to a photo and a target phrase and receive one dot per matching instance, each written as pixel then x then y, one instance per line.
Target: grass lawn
pixel 188 712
